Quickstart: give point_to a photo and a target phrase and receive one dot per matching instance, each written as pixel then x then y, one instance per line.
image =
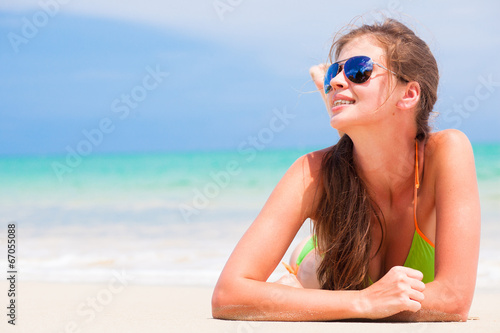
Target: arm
pixel 318 76
pixel 449 296
pixel 242 291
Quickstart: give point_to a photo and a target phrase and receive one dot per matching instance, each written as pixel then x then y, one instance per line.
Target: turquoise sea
pixel 165 218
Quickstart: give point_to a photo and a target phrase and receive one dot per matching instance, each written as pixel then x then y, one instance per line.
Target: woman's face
pixel 369 102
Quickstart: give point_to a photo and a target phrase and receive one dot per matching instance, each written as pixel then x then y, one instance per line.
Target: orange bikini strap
pixel 417 182
pixel 417 185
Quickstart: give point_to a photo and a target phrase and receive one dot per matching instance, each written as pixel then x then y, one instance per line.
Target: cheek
pixel 375 96
pixel 328 103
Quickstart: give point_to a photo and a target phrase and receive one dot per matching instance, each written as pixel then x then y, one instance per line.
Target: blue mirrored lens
pixel 358 69
pixel 330 74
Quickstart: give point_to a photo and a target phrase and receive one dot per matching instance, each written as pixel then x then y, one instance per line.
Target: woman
pixel 373 254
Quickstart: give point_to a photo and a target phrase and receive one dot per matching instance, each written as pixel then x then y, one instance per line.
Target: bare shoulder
pixel 449 137
pixel 308 166
pixel 304 179
pixel 448 146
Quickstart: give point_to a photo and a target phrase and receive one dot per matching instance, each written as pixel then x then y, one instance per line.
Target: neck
pixel 386 164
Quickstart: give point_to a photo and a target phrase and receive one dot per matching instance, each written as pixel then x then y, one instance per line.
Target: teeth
pixel 341 101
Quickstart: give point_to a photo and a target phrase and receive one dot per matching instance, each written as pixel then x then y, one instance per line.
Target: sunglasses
pixel 357 69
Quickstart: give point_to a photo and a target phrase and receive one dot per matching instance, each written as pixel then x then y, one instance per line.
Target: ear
pixel 410 97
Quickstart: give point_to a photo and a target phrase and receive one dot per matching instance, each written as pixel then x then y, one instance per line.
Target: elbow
pixel 228 304
pixel 457 311
pixel 220 303
pixel 461 313
pixel 461 304
pixel 457 316
pixel 464 316
pixel 451 300
pixel 217 301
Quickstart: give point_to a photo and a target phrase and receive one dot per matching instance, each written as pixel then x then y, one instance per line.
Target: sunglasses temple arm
pixel 387 69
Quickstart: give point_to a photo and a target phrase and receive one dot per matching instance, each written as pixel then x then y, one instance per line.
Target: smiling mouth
pixel 342 102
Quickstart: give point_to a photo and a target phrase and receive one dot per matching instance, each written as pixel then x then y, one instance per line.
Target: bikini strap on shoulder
pixel 417 181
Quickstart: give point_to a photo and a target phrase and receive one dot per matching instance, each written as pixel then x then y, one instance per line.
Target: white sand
pixel 59 307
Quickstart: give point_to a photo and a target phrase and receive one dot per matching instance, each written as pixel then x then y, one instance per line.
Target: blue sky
pixel 170 75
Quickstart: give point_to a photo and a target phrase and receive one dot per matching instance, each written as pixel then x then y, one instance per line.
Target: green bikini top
pixel 421 254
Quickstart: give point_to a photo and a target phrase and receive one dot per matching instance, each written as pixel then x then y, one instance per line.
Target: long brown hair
pixel 345 209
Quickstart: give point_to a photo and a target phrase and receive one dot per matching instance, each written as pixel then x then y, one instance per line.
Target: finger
pixel 416 295
pixel 413 306
pixel 417 285
pixel 413 273
pixel 318 73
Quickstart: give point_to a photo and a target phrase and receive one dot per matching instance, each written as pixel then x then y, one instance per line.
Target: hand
pixel 401 289
pixel 289 280
pixel 318 75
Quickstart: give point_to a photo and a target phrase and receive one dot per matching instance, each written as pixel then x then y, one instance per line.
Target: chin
pixel 338 124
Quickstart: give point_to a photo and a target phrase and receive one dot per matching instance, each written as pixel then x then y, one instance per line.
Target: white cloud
pixel 252 21
pixel 296 33
pixel 300 24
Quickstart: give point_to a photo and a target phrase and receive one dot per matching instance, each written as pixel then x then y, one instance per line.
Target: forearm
pixel 424 315
pixel 255 300
pixel 442 303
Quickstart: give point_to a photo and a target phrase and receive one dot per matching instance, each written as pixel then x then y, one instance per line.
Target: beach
pixel 62 307
pixel 135 243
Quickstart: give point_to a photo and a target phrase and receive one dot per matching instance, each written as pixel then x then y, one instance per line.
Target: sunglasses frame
pixel 328 87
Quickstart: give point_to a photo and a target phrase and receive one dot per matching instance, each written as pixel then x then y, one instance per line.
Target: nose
pixel 339 81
